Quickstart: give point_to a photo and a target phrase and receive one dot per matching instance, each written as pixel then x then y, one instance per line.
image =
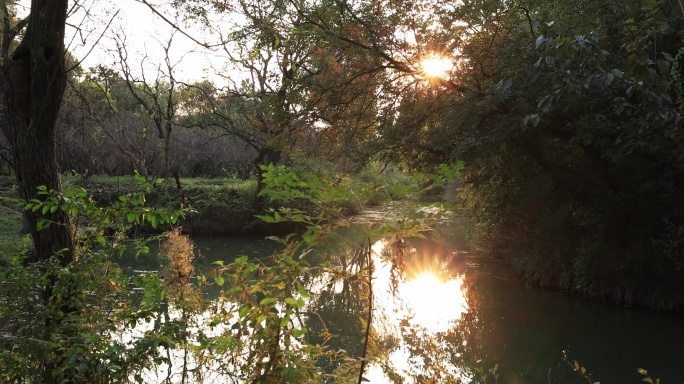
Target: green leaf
pixel 302 291
pixel 153 220
pixel 42 224
pixel 131 216
pixel 220 280
pixel 288 373
pixel 308 237
pixel 244 310
pixel 265 218
pixel 268 301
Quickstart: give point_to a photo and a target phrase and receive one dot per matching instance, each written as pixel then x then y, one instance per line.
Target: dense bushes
pixel 578 185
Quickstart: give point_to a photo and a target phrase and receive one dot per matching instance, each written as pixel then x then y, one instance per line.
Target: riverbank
pixel 223 207
pixel 220 206
pixel 213 206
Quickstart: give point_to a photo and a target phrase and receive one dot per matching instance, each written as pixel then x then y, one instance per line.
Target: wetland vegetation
pixel 451 156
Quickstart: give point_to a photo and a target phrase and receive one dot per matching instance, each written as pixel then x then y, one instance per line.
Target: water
pixel 209 249
pixel 526 330
pixel 467 314
pixel 534 335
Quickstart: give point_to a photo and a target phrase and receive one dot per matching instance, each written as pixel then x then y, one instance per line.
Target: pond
pixel 452 316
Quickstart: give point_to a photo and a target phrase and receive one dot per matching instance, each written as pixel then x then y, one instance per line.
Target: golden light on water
pixel 428 298
pixel 431 300
pixel 436 66
pixel 433 303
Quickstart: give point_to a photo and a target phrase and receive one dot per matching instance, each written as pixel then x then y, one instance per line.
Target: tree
pixel 297 95
pixel 574 184
pixel 561 118
pixel 157 99
pixel 34 78
pixel 100 111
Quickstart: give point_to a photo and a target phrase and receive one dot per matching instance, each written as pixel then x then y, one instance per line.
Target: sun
pixel 436 66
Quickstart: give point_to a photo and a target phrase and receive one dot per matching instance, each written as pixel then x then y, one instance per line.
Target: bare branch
pixel 177 28
pixel 94 45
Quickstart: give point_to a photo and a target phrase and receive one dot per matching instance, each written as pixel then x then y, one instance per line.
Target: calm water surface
pixel 476 315
pixel 526 330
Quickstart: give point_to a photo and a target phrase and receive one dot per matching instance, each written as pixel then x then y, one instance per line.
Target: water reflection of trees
pixel 338 307
pixel 420 355
pixel 340 310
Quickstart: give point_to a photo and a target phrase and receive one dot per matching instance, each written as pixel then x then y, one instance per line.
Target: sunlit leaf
pixel 268 301
pixel 302 291
pixel 244 310
pixel 308 237
pixel 101 239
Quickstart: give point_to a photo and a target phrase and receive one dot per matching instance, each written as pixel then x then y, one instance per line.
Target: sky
pixel 92 39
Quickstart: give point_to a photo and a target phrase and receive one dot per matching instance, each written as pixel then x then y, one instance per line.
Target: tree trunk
pixel 35 77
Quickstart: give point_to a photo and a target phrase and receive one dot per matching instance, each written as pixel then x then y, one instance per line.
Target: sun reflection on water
pixel 433 303
pixel 428 304
pixel 429 299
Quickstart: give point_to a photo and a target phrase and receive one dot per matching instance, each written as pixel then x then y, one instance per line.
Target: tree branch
pixel 176 27
pixel 94 45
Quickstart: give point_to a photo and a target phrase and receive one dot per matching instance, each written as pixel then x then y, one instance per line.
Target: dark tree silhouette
pixel 34 78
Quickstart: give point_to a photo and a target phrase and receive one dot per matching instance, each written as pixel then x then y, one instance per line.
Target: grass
pixel 11 239
pixel 220 205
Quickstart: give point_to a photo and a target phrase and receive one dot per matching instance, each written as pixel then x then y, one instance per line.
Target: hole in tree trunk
pixel 21 53
pixel 48 52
